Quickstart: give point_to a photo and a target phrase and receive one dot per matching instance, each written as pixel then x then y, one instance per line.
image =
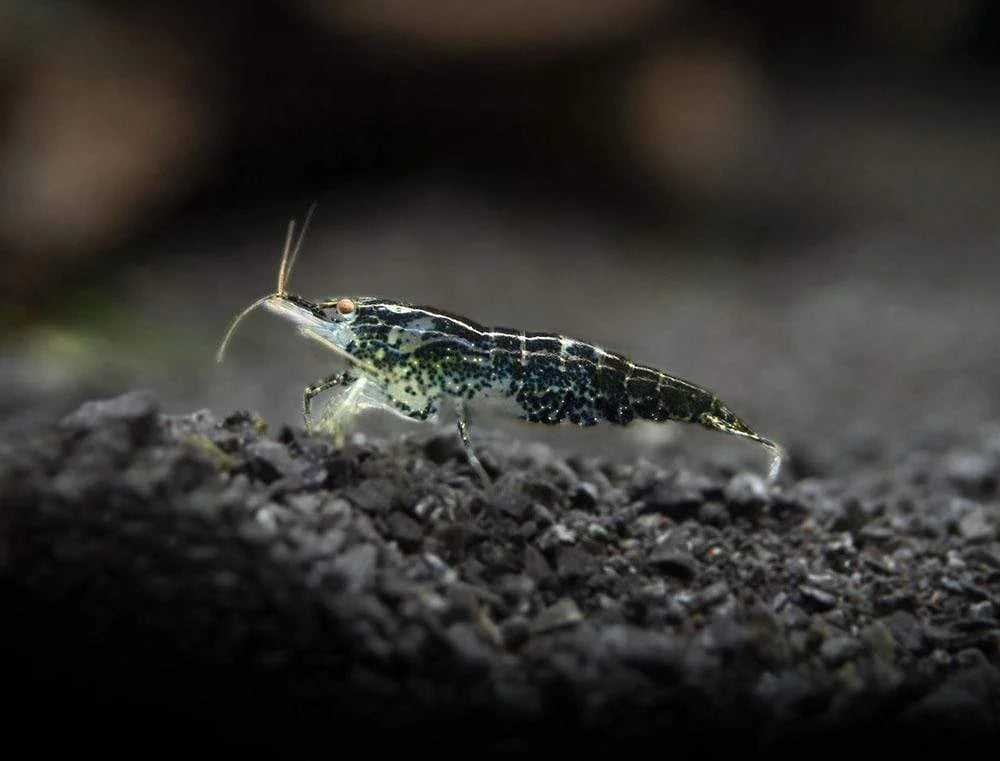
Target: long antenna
pixel 291 254
pixel 236 321
pixel 283 268
pixel 288 256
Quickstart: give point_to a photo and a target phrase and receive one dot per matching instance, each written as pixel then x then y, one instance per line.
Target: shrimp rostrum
pixel 416 361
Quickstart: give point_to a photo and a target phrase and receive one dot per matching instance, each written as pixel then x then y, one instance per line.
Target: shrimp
pixel 416 360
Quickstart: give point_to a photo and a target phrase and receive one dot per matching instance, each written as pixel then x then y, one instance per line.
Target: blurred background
pixel 793 204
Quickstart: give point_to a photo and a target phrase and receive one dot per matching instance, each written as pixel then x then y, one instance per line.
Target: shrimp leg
pixel 470 452
pixel 337 379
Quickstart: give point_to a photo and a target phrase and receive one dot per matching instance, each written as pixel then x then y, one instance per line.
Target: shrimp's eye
pixel 345 307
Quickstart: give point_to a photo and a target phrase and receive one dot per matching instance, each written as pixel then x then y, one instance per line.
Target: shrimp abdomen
pixel 554 379
pixel 657 396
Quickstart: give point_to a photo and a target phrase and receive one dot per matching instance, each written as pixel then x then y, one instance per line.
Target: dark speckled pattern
pixel 424 355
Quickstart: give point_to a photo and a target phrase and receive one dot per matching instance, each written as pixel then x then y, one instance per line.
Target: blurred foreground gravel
pixel 195 580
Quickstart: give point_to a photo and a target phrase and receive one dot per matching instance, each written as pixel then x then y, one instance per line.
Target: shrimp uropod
pixel 414 360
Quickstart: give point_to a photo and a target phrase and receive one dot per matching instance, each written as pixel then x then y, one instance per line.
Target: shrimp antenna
pixel 285 255
pixel 288 256
pixel 236 321
pixel 291 253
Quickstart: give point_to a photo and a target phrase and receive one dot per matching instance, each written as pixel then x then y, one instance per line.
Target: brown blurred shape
pixel 103 125
pixel 694 115
pixel 490 26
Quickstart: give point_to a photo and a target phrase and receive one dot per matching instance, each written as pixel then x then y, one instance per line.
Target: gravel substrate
pixel 188 577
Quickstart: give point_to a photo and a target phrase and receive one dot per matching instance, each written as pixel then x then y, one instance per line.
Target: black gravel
pixel 192 579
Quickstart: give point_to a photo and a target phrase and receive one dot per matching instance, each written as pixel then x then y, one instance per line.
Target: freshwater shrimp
pixel 416 360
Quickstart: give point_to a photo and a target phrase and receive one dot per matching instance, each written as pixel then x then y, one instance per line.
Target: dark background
pixel 795 205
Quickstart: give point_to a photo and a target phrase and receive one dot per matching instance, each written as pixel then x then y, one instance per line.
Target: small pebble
pixel 583 496
pixel 906 630
pixel 746 490
pixel 573 563
pixel 271 460
pixel 673 562
pixel 836 651
pixel 560 614
pixel 404 529
pixel 975 526
pixel 374 496
pixel 511 502
pixel 816 599
pixel 357 566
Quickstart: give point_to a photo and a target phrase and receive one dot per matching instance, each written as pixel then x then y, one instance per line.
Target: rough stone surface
pixel 278 590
